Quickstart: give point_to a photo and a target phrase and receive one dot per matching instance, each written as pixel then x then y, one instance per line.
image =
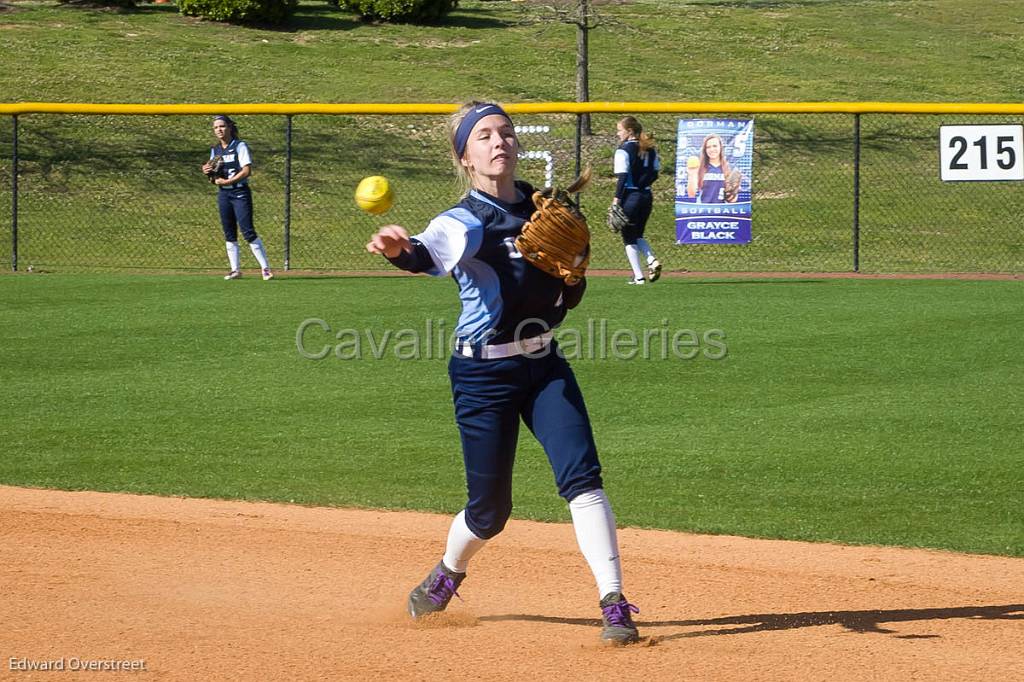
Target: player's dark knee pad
pixel 579 470
pixel 485 524
pixel 573 489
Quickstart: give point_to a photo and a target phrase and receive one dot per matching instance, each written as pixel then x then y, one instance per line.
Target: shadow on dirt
pixel 854 621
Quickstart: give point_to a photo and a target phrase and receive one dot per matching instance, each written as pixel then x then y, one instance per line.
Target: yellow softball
pixel 692 162
pixel 373 194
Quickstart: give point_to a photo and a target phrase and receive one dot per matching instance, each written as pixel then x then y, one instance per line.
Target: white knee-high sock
pixel 594 523
pixel 257 250
pixel 232 248
pixel 634 261
pixel 462 544
pixel 646 248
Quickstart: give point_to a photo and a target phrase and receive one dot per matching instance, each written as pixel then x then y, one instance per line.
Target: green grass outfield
pixel 857 411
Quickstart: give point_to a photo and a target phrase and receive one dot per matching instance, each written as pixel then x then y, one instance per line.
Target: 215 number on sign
pixel 981 152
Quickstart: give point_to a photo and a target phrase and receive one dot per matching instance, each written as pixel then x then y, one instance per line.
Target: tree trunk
pixel 582 82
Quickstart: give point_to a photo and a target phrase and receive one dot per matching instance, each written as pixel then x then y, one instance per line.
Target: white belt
pixel 530 346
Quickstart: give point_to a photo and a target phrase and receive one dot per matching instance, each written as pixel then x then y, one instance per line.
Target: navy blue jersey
pixel 503 297
pixel 636 169
pixel 236 156
pixel 712 190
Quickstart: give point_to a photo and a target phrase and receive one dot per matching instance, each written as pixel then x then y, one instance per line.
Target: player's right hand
pixel 389 241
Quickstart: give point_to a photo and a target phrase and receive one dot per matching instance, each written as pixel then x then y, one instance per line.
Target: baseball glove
pixel 216 164
pixel 732 185
pixel 617 219
pixel 556 239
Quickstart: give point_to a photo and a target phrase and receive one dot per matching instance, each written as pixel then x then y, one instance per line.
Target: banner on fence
pixel 714 161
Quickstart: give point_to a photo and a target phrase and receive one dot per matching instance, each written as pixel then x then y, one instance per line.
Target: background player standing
pixel 506 366
pixel 235 197
pixel 636 165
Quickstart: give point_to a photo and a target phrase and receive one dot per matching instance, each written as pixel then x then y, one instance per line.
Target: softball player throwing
pixel 506 366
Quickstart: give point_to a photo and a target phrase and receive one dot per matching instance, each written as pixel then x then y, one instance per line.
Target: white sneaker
pixel 636 281
pixel 654 270
pixel 234 274
pixel 267 274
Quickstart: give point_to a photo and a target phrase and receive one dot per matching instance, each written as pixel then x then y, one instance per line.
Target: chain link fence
pixel 126 192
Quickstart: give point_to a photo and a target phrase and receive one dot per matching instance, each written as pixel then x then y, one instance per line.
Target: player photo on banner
pixel 714 162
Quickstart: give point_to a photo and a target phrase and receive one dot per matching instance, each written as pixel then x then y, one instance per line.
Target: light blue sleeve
pixel 244 157
pixel 449 238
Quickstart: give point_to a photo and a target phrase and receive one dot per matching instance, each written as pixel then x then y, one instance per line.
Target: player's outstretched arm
pixel 390 241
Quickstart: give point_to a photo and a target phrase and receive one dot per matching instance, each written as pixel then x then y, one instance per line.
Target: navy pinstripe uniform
pixel 505 300
pixel 235 200
pixel 636 172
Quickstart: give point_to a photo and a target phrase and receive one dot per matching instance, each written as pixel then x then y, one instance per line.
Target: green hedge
pixel 401 10
pixel 240 11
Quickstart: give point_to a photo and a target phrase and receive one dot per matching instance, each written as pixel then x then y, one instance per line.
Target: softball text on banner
pixel 714 162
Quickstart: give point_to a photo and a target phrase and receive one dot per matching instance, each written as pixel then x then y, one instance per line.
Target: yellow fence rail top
pixel 18 108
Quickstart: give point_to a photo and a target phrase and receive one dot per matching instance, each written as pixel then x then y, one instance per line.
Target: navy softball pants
pixel 491 396
pixel 637 205
pixel 236 212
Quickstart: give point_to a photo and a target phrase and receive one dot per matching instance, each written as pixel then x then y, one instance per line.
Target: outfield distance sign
pixel 981 152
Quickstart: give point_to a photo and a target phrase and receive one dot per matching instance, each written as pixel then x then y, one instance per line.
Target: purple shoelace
pixel 617 614
pixel 442 589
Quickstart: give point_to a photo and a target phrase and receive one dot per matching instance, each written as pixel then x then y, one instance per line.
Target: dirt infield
pixel 187 589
